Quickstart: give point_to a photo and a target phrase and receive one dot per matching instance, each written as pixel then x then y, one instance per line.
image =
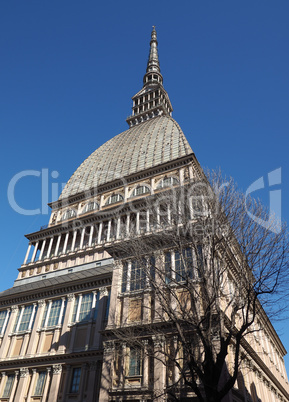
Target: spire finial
pixel 152 100
pixel 153 61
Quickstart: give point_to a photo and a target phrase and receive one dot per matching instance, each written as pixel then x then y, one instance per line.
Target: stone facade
pixel 56 319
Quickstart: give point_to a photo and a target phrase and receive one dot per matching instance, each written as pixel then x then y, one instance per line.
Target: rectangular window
pixel 135 362
pixel 75 381
pixel 179 267
pixel 85 308
pixel 25 318
pixel 183 264
pixel 8 386
pixel 54 313
pixel 137 275
pixel 40 383
pixel 3 315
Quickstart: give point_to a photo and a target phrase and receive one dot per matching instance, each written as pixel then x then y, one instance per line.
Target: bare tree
pixel 211 271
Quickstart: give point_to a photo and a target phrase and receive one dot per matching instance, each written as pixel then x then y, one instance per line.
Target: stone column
pixel 90 235
pixel 169 214
pixel 3 378
pixel 11 398
pixel 177 357
pixel 108 230
pixel 145 376
pixel 99 233
pixel 66 382
pixel 65 242
pixel 56 376
pixel 127 224
pixel 159 368
pixel 7 335
pixel 118 228
pixel 148 221
pixel 21 389
pixel 82 238
pixel 65 328
pixel 74 240
pixel 106 374
pixel 158 216
pixel 137 222
pixel 84 370
pixel 91 381
pixel 34 251
pixel 103 293
pixel 42 249
pixel 33 338
pixel 27 253
pixel 32 385
pixel 57 245
pixel 49 247
pixel 128 276
pixel 46 386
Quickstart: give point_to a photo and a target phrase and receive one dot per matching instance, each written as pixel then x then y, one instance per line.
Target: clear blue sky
pixel 68 70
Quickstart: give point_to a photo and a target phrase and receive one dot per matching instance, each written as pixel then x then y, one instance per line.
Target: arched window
pixel 168 182
pixel 91 206
pixel 113 199
pixel 139 190
pixel 70 213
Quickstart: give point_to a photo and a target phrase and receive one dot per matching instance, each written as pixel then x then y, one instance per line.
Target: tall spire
pixel 153 61
pixel 152 100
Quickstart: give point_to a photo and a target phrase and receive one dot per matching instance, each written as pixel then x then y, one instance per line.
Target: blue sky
pixel 68 70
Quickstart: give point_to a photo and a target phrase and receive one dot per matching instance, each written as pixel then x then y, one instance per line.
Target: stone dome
pixel 146 145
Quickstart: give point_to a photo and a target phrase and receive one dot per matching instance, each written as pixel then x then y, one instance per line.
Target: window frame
pixel 87 208
pixel 6 390
pixel 174 181
pixel 68 214
pixel 134 192
pixel 111 201
pixel 40 384
pixel 75 380
pixel 135 360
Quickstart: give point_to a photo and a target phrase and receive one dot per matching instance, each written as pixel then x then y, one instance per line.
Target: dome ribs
pixel 141 147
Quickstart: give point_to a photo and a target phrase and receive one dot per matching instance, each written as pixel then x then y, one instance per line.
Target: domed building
pixel 62 323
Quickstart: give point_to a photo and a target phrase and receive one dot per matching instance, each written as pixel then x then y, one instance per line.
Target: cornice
pixel 55 290
pixel 63 358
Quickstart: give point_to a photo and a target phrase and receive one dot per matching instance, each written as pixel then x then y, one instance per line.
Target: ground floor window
pixel 40 383
pixel 8 386
pixel 75 380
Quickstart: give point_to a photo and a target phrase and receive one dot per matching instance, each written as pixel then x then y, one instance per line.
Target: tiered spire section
pixel 152 100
